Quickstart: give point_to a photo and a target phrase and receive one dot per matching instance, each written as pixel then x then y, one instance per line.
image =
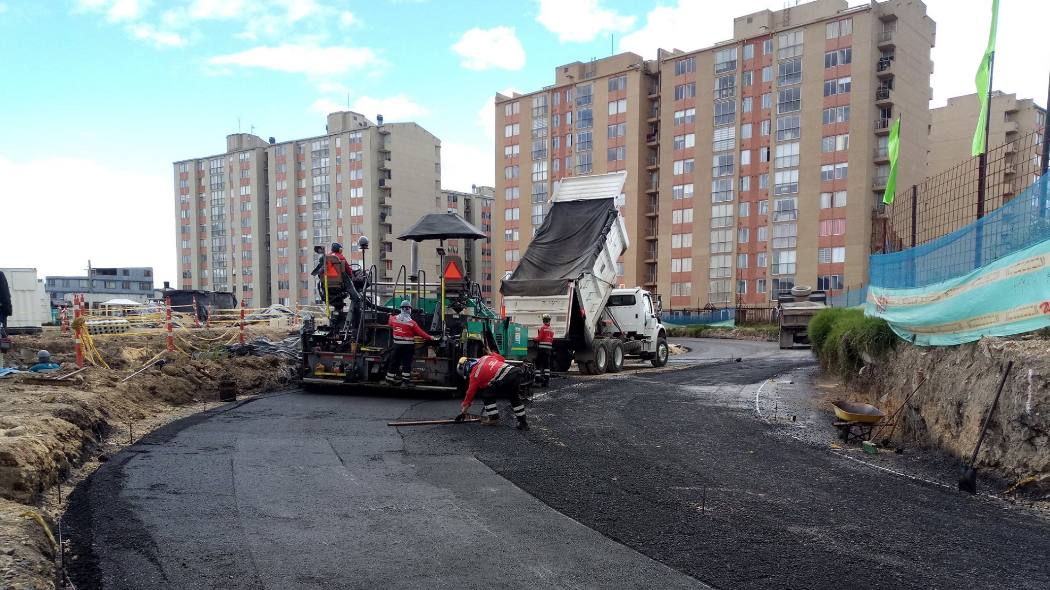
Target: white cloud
pixel 487 113
pixel 675 26
pixel 323 106
pixel 90 194
pixel 347 18
pixel 582 20
pixel 216 9
pixel 484 49
pixel 463 165
pixel 393 108
pixel 160 39
pixel 307 59
pixel 115 10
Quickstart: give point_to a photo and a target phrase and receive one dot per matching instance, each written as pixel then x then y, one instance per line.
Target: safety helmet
pixel 43 355
pixel 546 318
pixel 406 303
pixel 462 367
pixel 336 246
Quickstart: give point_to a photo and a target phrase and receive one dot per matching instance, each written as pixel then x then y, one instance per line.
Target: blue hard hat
pixel 336 246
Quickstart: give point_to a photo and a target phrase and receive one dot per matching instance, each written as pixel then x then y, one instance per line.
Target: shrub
pixel 821 324
pixel 847 336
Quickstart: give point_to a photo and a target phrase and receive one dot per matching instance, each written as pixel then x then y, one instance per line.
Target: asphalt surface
pixel 647 479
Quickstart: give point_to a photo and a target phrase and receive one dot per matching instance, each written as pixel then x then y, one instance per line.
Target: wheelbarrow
pixel 856 420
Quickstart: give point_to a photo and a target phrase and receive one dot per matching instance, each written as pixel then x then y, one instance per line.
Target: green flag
pixel 984 79
pixel 893 148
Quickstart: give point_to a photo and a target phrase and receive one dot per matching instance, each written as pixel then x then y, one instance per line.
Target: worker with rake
pixel 494 378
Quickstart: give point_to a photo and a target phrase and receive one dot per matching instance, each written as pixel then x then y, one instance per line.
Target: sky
pixel 99 97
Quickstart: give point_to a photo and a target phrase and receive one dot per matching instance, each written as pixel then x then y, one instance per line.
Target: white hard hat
pixel 406 303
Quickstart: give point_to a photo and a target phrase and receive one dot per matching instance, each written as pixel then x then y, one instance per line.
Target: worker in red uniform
pixel 405 330
pixel 337 251
pixel 495 378
pixel 544 351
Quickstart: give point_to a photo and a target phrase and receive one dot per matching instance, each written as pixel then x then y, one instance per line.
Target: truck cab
pixel 634 313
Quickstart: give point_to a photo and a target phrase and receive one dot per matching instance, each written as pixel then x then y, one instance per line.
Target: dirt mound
pixel 49 431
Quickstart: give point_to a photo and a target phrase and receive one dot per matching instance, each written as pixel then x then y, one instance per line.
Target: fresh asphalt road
pixel 647 479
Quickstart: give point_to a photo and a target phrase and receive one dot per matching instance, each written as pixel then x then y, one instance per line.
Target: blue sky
pixel 99 97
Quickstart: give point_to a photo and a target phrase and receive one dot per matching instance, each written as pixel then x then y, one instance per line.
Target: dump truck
pixel 569 272
pixel 32 307
pixel 797 308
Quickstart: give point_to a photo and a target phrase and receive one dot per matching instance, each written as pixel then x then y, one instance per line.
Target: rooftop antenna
pixel 253 129
pixel 238 124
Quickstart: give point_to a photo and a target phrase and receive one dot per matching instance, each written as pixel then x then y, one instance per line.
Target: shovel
pixel 968 478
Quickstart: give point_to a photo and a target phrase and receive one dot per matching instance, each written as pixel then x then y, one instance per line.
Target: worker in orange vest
pixel 405 330
pixel 495 378
pixel 544 351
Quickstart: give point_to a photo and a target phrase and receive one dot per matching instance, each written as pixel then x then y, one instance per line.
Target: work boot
pixel 522 425
pixel 490 420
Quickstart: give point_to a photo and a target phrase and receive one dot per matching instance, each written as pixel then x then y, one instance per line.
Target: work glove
pixel 462 416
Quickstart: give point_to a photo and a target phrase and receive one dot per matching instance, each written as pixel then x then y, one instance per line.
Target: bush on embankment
pixel 845 339
pixel 759 332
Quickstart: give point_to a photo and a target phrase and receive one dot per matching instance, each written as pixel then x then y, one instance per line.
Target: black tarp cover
pixel 442 226
pixel 566 245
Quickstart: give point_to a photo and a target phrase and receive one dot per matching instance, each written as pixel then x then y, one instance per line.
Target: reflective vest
pixel 405 332
pixel 545 337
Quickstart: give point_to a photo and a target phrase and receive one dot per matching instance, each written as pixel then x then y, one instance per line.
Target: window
pixel 721 241
pixel 834 143
pixel 725 87
pixel 684 66
pixel 682 216
pixel 745 131
pixel 511 151
pixel 831 255
pixel 680 166
pixel 749 51
pixel 584 95
pixel 720 266
pixel 725 112
pixel 719 292
pixel 683 289
pixel 747 78
pixel 763 128
pixel 725 60
pixel 539 171
pixel 763 207
pixel 838 57
pixel 841 171
pixel 786 182
pixel 510 214
pixel 760 258
pixel 683 91
pixel 785 209
pixel 789 72
pixel 787 154
pixel 827 172
pixel 539 149
pixel 767 47
pixel 556 142
pixel 840 28
pixel 584 141
pixel 836 115
pixel 511 255
pixel 743 235
pixel 618 106
pixel 617 83
pixel 721 216
pixel 745 158
pixel 681 240
pixel 829 282
pixel 724 139
pixel 789 128
pixel 789 101
pixel 783 262
pixel 767 74
pixel 833 227
pixel 744 210
pixel 722 165
pixel 746 104
pixel 840 86
pixel 684 116
pixel 682 142
pixel 510 172
pixel 620 153
pixel 835 199
pixel 538 212
pixel 763 154
pixel 760 286
pixel 681 265
pixel 510 130
pixel 512 108
pixel 682 191
pixel 767 101
pixel 790 45
pixel 584 118
pixel 584 163
pixel 539 127
pixel 510 193
pixel 722 190
pixel 618 130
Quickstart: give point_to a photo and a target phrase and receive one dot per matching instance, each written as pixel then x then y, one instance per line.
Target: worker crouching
pixel 494 378
pixel 405 330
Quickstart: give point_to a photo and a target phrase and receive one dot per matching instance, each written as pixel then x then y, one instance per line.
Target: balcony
pixel 883 96
pixel 1011 126
pixel 884 67
pixel 651 255
pixel 882 126
pixel 652 186
pixel 879 182
pixel 1009 188
pixel 650 280
pixel 651 233
pixel 885 40
pixel 654 91
pixel 654 114
pixel 652 210
pixel 652 162
pixel 384 147
pixel 1009 170
pixel 384 164
pixel 882 154
pixel 652 139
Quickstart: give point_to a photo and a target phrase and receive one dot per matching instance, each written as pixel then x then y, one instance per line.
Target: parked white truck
pixel 569 272
pixel 30 301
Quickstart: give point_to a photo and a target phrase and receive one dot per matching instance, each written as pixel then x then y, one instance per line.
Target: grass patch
pixel 842 338
pixel 766 332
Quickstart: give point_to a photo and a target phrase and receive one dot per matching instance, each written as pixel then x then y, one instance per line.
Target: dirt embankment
pixel 948 410
pixel 52 435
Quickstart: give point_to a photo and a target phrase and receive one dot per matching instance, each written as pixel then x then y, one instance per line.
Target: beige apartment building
pixel 248 219
pixel 952 126
pixel 793 114
pixel 476 207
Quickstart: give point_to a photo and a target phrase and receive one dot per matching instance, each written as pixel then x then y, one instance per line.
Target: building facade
pixel 103 284
pixel 793 113
pixel 952 126
pixel 476 207
pixel 248 219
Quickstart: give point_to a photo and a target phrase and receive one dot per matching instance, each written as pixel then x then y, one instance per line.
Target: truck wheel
pixel 561 362
pixel 600 364
pixel 787 339
pixel 662 352
pixel 615 352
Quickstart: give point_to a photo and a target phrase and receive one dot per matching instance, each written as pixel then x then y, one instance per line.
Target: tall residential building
pixel 250 217
pixel 953 126
pixel 476 207
pixel 793 113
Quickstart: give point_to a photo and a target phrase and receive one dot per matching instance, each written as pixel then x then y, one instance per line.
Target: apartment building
pixel 952 126
pixel 103 284
pixel 249 218
pixel 793 113
pixel 476 207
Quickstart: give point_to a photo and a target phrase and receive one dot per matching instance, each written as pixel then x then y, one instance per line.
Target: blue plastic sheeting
pixel 854 298
pixel 1006 297
pixel 720 316
pixel 1015 226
